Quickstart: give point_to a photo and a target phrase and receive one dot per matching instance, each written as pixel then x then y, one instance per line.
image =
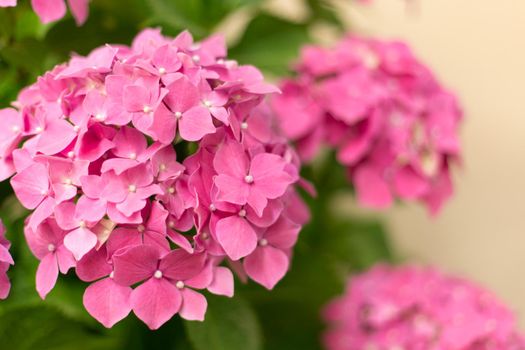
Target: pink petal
pixel 90 209
pixel 164 125
pixel 31 185
pixel 80 241
pixel 93 265
pixel 372 190
pixel 65 259
pixel 231 160
pixel 46 275
pixel 7 3
pixel 202 280
pixel 222 283
pixel 195 124
pixel 135 264
pixel 283 234
pixel 57 135
pixel 49 10
pixel 271 213
pixel 269 175
pixel 194 305
pixel 42 212
pixel 5 286
pixel 80 10
pixel 5 256
pixel 107 301
pixel 155 302
pixel 182 96
pixel 123 238
pixel 266 265
pixel 231 189
pixel 179 265
pixel 129 143
pixel 236 236
pixel 135 98
pixel 408 184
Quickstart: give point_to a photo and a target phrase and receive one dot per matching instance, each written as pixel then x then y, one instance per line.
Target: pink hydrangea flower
pixel 5 261
pixel 391 123
pixel 53 10
pixel 152 165
pixel 418 308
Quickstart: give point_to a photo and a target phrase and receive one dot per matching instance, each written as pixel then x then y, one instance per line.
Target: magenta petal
pixel 266 265
pixel 236 236
pixel 135 264
pixel 231 160
pixel 180 265
pixel 372 190
pixel 93 265
pixel 222 283
pixel 231 189
pixel 80 241
pixel 269 175
pixel 155 302
pixel 107 301
pixel 65 259
pixel 46 275
pixel 408 184
pixel 195 124
pixel 194 305
pixel 49 10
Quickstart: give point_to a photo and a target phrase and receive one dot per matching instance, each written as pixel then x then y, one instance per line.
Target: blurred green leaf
pixel 271 44
pixel 230 324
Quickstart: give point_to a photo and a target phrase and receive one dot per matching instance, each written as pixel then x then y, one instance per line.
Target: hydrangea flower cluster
pixel 411 307
pixel 53 10
pixel 392 124
pixel 5 261
pixel 100 137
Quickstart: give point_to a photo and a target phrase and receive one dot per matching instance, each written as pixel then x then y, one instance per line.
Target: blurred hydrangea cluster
pixel 53 10
pixel 93 148
pixel 418 308
pixel 392 124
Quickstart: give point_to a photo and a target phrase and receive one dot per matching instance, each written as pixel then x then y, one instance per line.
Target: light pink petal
pixel 236 236
pixel 164 125
pixel 79 9
pixel 49 10
pixel 372 190
pixel 129 143
pixel 155 302
pixel 5 256
pixel 135 264
pixel 231 160
pixel 135 98
pixel 118 165
pixel 80 241
pixel 132 204
pixel 65 259
pixel 65 216
pixel 257 200
pixel 57 135
pixel 46 275
pixel 231 189
pixel 271 213
pixel 283 234
pixel 195 124
pixel 180 240
pixel 90 209
pixel 222 283
pixel 31 185
pixel 180 265
pixel 194 305
pixel 42 212
pixel 7 3
pixel 266 265
pixel 107 301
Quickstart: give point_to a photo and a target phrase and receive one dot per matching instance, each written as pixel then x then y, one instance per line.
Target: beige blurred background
pixel 477 47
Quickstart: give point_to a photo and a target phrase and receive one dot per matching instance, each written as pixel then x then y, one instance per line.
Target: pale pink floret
pixel 389 120
pixel 418 308
pixel 125 158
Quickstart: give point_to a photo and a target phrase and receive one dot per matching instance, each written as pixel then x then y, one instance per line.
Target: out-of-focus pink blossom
pixel 5 261
pixel 418 308
pixel 391 123
pixel 152 164
pixel 53 10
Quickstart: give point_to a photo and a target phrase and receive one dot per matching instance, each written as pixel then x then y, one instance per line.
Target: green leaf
pixel 44 328
pixel 230 325
pixel 271 44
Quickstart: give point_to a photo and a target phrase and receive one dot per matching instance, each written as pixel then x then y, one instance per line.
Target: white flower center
pixel 100 116
pixel 158 274
pixel 51 247
pixel 242 213
pixel 112 274
pixel 171 224
pixel 38 129
pixel 195 58
pixel 248 179
pixel 178 115
pixel 141 228
pixel 15 128
pixel 171 190
pixel 133 155
pixel 146 109
pixel 244 125
pixel 68 181
pixel 179 284
pixel 70 154
pixel 132 188
pixel 162 70
pixel 82 224
pixel 162 167
pixel 263 242
pixel 205 235
pixel 213 207
pixel 207 103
